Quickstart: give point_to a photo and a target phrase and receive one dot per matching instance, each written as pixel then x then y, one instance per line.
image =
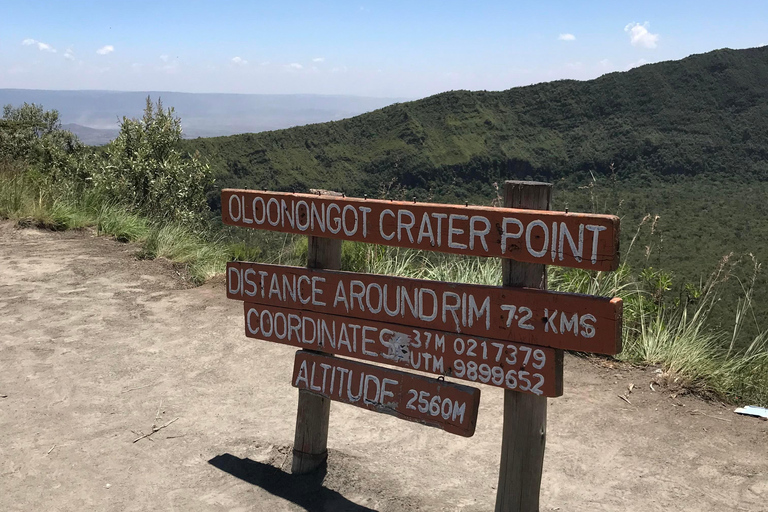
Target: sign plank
pixel 524 368
pixel 551 238
pixel 450 407
pixel 532 317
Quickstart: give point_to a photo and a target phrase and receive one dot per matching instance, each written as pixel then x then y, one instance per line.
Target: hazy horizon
pixel 202 114
pixel 371 49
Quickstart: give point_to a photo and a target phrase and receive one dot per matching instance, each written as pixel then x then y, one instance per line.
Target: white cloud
pixel 43 47
pixel 639 35
pixel 295 65
pixel 566 37
pixel 104 50
pixel 239 61
pixel 604 63
pixel 164 58
pixel 318 59
pixel 69 55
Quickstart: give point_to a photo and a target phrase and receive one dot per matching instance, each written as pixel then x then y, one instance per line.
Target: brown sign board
pixel 523 368
pixel 551 238
pixel 445 405
pixel 523 315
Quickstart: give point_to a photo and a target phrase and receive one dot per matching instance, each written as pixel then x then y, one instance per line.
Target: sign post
pixel 524 433
pixel 510 336
pixel 310 445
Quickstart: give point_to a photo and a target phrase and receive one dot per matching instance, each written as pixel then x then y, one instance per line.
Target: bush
pixel 144 169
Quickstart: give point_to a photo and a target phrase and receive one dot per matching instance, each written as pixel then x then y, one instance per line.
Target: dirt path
pixel 96 346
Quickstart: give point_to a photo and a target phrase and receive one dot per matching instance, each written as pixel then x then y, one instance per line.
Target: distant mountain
pixel 202 115
pixel 91 136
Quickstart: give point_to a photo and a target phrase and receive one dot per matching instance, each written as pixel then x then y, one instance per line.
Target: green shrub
pixel 144 169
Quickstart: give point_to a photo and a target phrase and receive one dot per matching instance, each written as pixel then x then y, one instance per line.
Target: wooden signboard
pixel 440 404
pixel 550 238
pixel 510 336
pixel 534 317
pixel 524 368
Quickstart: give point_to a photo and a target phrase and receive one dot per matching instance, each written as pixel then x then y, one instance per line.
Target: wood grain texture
pixel 524 315
pixel 525 416
pixel 310 445
pixel 587 241
pixel 524 368
pixel 425 400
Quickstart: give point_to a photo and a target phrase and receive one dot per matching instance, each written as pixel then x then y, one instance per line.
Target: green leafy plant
pixel 145 168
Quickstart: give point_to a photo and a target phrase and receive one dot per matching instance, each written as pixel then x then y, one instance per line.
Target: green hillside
pixel 705 113
pixel 687 140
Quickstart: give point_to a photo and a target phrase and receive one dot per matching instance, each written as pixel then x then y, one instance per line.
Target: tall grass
pixel 203 258
pixel 675 336
pixel 33 202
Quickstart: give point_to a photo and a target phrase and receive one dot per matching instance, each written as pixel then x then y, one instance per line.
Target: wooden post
pixel 310 445
pixel 525 416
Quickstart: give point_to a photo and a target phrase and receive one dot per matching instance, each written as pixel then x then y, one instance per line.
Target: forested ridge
pixel 685 140
pixel 706 114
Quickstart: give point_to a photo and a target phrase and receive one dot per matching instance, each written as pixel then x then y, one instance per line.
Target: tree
pixel 145 168
pixel 33 135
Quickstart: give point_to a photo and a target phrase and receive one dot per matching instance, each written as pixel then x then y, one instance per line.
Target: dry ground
pixel 96 347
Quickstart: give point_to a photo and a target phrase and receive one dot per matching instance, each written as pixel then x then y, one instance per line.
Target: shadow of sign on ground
pixel 306 491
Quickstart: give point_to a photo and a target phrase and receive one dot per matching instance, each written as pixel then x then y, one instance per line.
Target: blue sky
pixel 370 48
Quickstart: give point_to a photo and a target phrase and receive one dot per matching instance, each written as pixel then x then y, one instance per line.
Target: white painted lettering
pixel 302 376
pixel 317 291
pixel 439 217
pixel 422 315
pixel 452 308
pixel 232 210
pixel 407 226
pixel 356 295
pixel 478 233
pixel 587 326
pixel 365 211
pixel 576 250
pixel 304 299
pixel 528 245
pixel 274 220
pixel 455 231
pixel 366 340
pixel 506 235
pixel 317 217
pixel 596 230
pixel 304 215
pixel 381 224
pixel 550 324
pixel 233 276
pixel 341 296
pixel 476 314
pixel 334 223
pixel 349 231
pixel 425 230
pixel 248 321
pixel 568 325
pixel 371 308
